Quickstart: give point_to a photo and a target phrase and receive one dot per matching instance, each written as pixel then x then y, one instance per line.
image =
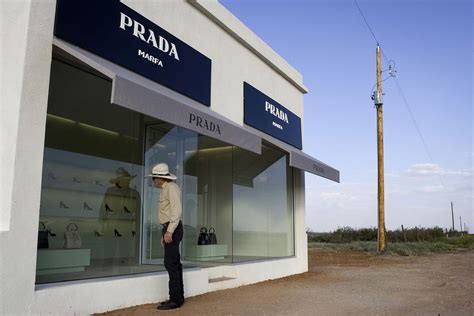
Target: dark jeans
pixel 173 265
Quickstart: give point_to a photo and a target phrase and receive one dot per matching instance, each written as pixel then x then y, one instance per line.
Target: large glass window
pixel 262 205
pixel 98 214
pixel 92 175
pixel 208 202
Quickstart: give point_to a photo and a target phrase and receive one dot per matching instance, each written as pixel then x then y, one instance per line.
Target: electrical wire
pixel 412 116
pixel 400 91
pixel 373 87
pixel 366 23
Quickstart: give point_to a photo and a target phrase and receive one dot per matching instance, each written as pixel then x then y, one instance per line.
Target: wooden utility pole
pixel 452 214
pixel 381 196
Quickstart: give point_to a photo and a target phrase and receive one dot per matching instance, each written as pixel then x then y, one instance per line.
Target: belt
pixel 167 223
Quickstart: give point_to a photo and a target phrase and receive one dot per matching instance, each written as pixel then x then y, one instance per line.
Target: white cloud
pixel 393 174
pixel 431 188
pixel 412 199
pixel 424 169
pixel 430 169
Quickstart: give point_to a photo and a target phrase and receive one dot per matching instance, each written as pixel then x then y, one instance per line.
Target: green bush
pixel 417 248
pixel 415 234
pixel 348 234
pixel 431 240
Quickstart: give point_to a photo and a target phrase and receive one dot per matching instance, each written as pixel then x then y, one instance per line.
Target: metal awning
pixel 299 159
pixel 137 93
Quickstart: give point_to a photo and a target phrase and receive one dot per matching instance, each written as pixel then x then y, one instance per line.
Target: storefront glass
pixel 98 213
pixel 92 170
pixel 262 205
pixel 208 202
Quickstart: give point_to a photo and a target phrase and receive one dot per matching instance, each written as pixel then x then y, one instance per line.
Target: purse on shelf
pixel 43 242
pixel 212 236
pixel 203 237
pixel 72 238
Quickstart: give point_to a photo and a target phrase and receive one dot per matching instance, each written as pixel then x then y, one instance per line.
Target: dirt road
pixel 348 283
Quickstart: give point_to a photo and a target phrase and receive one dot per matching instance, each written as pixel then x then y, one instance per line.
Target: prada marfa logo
pixel 148 36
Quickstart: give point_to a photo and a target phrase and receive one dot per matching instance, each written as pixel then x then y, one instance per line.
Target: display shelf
pixel 62 260
pixel 206 252
pixel 79 187
pixel 99 237
pixel 85 187
pixel 58 202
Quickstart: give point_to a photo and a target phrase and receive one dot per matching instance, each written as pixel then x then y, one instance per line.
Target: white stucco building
pixel 94 93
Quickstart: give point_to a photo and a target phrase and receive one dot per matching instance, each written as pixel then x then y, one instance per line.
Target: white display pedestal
pixel 62 260
pixel 207 252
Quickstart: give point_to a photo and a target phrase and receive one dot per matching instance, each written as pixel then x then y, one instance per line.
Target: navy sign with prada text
pixel 112 30
pixel 270 117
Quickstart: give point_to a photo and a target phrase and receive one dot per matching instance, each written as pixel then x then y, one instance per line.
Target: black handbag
pixel 203 237
pixel 212 236
pixel 43 242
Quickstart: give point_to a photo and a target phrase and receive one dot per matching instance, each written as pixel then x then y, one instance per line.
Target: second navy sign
pixel 270 117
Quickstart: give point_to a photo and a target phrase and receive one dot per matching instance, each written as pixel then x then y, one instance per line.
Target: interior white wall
pixel 27 34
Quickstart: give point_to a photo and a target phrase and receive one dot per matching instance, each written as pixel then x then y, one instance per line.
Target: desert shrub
pixel 347 234
pixel 415 234
pixel 417 248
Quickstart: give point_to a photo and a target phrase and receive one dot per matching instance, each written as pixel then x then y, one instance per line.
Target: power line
pixel 412 116
pixel 402 94
pixel 366 23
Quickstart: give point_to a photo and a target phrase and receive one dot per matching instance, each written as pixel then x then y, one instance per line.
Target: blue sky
pixel 330 45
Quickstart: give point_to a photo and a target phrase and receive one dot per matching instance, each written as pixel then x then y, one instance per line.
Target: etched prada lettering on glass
pixel 318 168
pixel 204 123
pixel 148 36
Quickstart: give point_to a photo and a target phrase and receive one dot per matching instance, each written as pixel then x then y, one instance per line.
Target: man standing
pixel 169 216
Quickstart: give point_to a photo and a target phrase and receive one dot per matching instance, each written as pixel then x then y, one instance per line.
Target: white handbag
pixel 72 238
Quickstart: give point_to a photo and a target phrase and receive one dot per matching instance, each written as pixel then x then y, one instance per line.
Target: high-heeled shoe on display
pixel 50 233
pixel 108 209
pixel 117 234
pixel 87 207
pixel 62 205
pixel 51 176
pixel 76 180
pixel 97 234
pixel 133 233
pixel 126 209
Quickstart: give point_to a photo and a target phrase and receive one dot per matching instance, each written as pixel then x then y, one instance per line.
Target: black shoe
pixel 62 205
pixel 165 302
pixel 117 234
pixel 108 209
pixel 170 305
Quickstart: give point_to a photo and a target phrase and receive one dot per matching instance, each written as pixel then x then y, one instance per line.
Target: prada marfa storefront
pixel 132 84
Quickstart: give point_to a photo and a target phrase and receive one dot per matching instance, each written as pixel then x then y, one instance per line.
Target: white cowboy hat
pixel 122 174
pixel 161 170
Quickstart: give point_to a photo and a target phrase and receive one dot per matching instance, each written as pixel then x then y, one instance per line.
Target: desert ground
pixel 347 283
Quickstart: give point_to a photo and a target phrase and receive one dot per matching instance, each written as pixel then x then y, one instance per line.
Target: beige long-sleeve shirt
pixel 170 208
